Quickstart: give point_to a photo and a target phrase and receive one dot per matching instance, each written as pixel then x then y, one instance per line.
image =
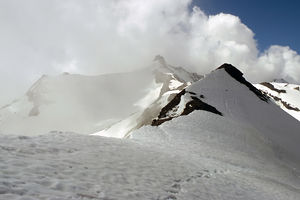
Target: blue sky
pixel 272 21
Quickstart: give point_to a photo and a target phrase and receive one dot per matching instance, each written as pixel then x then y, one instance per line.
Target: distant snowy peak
pixel 286 95
pixel 179 73
pixel 171 80
pixel 113 104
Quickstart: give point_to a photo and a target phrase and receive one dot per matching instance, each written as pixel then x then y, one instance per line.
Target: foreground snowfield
pixel 178 160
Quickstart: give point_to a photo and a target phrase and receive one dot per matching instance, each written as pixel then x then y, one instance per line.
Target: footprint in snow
pixel 177 183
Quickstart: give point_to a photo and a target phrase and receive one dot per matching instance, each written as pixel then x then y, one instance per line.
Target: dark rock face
pixel 238 75
pixel 194 104
pixel 288 106
pixel 171 105
pixel 284 103
pixel 197 104
pixel 271 87
pixel 162 117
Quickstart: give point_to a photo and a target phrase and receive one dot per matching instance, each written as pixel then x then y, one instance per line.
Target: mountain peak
pixel 160 59
pixel 194 97
pixel 230 69
pixel 238 76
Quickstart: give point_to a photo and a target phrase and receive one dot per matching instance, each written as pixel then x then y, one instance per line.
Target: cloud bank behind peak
pixel 99 36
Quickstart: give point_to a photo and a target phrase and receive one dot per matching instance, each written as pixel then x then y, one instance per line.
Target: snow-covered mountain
pixel 88 104
pixel 218 138
pixel 226 93
pixel 284 94
pixel 172 80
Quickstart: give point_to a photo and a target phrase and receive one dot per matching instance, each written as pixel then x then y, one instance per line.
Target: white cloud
pixel 278 62
pixel 100 36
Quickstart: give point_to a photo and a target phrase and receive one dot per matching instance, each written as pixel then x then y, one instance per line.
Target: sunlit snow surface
pixel 290 96
pixel 181 159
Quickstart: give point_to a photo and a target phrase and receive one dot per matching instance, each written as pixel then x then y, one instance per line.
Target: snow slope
pixel 221 140
pixel 88 104
pixel 226 93
pixel 199 156
pixel 286 95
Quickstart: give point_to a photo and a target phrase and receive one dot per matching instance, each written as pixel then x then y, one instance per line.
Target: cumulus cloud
pixel 278 62
pixel 100 36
